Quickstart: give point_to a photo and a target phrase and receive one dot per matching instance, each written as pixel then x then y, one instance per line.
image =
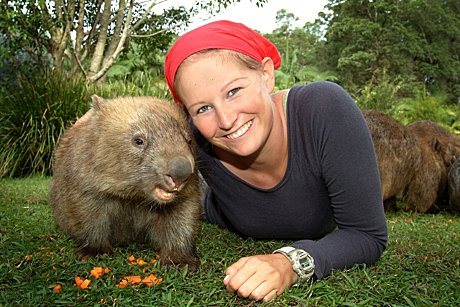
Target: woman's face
pixel 229 103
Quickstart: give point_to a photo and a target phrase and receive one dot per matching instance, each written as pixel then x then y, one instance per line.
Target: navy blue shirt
pixel 329 200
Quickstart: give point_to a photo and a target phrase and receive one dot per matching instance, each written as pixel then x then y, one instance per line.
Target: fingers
pixel 231 270
pixel 259 277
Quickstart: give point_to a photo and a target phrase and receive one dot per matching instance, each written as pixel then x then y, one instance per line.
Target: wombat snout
pixel 179 170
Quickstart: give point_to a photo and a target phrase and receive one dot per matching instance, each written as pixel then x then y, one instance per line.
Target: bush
pixel 33 115
pixel 428 107
pixel 143 84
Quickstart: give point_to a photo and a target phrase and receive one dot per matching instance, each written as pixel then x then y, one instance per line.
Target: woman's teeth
pixel 240 131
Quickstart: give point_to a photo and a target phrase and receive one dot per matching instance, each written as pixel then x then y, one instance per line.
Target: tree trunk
pixel 101 41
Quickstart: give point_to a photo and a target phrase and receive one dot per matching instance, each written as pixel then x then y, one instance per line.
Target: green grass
pixel 421 266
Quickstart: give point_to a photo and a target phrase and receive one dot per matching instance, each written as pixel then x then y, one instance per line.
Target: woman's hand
pixel 260 277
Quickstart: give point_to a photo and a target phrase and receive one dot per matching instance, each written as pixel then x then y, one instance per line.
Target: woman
pixel 298 164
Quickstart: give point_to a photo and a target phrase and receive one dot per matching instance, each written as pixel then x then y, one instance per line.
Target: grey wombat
pixel 125 172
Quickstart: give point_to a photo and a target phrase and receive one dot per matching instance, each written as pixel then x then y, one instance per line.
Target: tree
pixel 298 48
pixel 87 36
pixel 413 40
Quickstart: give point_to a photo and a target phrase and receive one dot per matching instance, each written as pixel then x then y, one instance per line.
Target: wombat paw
pixel 86 253
pixel 192 263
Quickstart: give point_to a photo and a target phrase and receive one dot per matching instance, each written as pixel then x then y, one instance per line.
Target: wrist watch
pixel 302 262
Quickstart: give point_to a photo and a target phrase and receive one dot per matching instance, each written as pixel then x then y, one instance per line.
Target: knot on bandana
pixel 221 34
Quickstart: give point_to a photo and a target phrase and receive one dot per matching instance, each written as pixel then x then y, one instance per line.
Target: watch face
pixel 304 263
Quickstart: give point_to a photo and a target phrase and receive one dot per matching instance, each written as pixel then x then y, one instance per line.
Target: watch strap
pixel 302 262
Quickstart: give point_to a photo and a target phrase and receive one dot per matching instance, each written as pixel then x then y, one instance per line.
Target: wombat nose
pixel 179 169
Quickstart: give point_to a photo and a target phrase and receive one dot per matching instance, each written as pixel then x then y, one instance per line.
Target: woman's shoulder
pixel 317 88
pixel 319 94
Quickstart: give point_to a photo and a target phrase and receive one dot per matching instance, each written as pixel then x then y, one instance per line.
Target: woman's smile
pixel 240 131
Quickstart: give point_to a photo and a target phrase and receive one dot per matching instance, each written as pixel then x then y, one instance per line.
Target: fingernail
pixel 226 277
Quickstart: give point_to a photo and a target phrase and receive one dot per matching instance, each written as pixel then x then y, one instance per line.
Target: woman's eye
pixel 203 109
pixel 233 92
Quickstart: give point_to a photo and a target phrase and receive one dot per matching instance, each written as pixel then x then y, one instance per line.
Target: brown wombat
pixel 125 172
pixel 453 181
pixel 397 154
pixel 408 166
pixel 441 147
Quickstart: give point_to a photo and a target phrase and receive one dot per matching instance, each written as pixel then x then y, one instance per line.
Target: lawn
pixel 421 266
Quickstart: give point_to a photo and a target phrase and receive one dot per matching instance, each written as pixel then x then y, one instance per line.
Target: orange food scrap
pixel 82 284
pixel 98 271
pixel 132 258
pixel 57 288
pixel 28 258
pixel 86 283
pixel 122 284
pixel 78 281
pixel 134 279
pixel 152 261
pixel 151 280
pixel 141 262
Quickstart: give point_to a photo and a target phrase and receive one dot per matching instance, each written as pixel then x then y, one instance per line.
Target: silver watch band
pixel 302 262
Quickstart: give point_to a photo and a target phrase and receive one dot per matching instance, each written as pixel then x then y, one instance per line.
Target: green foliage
pixel 33 115
pixel 416 104
pixel 138 84
pixel 428 107
pixel 421 266
pixel 415 41
pixel 298 48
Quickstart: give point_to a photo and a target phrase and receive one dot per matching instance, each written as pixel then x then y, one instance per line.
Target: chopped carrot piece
pixel 78 281
pixel 97 272
pixel 82 284
pixel 133 279
pixel 122 283
pixel 151 280
pixel 57 288
pixel 86 283
pixel 141 262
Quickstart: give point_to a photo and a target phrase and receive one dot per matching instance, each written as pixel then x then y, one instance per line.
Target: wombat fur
pixel 397 153
pixel 442 147
pixel 453 182
pixel 125 172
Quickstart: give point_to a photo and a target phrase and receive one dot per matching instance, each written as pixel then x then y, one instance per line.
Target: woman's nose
pixel 225 119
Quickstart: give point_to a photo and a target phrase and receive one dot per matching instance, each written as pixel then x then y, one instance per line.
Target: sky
pixel 261 19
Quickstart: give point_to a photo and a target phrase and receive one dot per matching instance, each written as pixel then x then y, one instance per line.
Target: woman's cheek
pixel 206 126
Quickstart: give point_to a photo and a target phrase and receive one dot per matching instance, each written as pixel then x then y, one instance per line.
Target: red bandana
pixel 221 34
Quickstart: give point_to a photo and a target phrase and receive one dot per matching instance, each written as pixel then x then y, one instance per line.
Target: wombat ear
pixel 97 102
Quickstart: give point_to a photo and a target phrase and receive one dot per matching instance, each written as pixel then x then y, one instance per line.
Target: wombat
pixel 441 148
pixel 397 154
pixel 125 172
pixel 454 186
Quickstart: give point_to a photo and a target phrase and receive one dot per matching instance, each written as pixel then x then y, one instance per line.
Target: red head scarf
pixel 221 34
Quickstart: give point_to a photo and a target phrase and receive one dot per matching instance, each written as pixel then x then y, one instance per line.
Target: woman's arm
pixel 349 169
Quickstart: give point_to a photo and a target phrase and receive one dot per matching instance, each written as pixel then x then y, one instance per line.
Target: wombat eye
pixel 138 142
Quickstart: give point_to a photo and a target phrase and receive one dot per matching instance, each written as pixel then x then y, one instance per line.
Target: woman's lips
pixel 240 131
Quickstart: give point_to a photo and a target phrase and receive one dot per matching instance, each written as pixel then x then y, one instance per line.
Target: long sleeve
pixel 343 149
